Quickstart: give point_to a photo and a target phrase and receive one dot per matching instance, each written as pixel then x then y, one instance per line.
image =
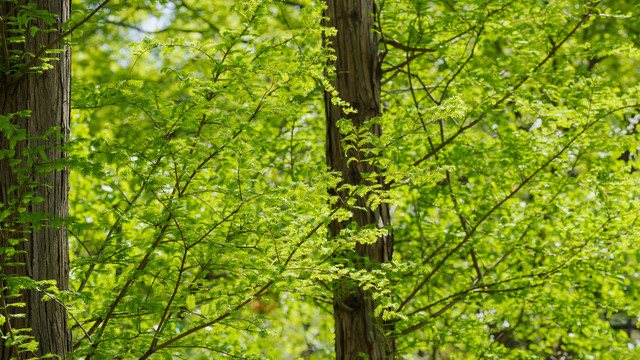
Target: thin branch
pixel 407 48
pixel 511 93
pixel 500 203
pixel 207 324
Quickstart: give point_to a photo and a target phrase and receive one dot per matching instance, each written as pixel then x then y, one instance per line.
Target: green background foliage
pixel 199 192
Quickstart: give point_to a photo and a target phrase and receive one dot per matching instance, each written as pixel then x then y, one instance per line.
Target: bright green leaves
pixel 207 196
pixel 200 204
pixel 12 132
pixel 536 151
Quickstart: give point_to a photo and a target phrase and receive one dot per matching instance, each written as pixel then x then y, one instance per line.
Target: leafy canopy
pixel 199 190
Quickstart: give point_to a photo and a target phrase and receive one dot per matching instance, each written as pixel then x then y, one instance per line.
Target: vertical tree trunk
pixel 46 254
pixel 358 83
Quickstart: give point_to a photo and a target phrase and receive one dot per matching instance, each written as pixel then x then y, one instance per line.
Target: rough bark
pixel 357 81
pixel 46 255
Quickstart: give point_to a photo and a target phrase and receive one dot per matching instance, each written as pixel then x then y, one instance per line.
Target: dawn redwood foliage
pixel 478 197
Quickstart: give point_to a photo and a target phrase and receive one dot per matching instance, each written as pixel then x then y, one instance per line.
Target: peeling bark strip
pixel 358 83
pixel 47 254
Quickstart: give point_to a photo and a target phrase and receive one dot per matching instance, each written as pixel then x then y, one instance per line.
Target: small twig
pixel 400 46
pixel 7 317
pixel 70 313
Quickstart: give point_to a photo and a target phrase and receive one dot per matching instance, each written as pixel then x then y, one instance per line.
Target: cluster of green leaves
pixel 199 196
pixel 199 208
pixel 528 244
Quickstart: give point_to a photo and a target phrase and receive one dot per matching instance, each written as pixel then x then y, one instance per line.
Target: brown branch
pixel 209 323
pixel 407 48
pixel 7 316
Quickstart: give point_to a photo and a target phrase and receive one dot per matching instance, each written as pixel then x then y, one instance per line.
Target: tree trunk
pixel 357 81
pixel 46 253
